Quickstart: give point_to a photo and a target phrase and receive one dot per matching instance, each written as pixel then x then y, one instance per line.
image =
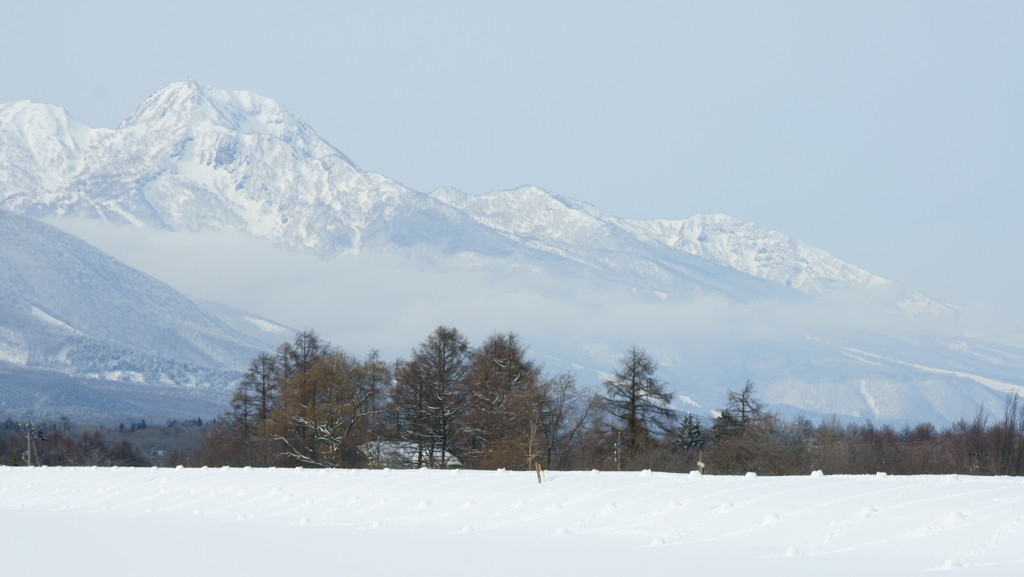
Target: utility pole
pixel 618 450
pixel 30 436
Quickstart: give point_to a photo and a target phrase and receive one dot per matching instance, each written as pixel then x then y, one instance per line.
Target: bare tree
pixel 1009 437
pixel 321 408
pixel 375 378
pixel 561 413
pixel 496 424
pixel 431 395
pixel 744 405
pixel 746 438
pixel 638 401
pixel 741 409
pixel 255 398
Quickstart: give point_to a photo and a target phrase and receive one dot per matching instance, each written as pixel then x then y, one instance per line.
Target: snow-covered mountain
pixel 582 232
pixel 716 299
pixel 193 158
pixel 68 309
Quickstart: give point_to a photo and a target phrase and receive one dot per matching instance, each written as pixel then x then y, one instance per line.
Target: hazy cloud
pixel 392 301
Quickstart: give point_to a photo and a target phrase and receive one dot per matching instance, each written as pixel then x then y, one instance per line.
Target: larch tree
pixel 742 409
pixel 637 401
pixel 431 394
pixel 244 427
pixel 374 380
pixel 243 421
pixel 322 407
pixel 500 385
pixel 263 386
pixel 299 390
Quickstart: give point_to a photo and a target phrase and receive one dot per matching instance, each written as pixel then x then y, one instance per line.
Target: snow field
pixel 89 521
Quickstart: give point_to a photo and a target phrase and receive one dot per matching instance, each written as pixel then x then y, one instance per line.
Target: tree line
pixel 745 437
pixel 452 404
pixel 56 443
pixel 449 404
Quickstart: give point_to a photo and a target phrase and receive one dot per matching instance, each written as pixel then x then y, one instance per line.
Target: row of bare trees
pixel 452 404
pixel 55 444
pixel 747 438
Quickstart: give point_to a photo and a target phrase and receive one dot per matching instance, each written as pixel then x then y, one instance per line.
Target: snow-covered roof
pixel 406 455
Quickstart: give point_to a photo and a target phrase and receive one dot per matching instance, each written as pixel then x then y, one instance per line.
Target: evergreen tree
pixel 689 435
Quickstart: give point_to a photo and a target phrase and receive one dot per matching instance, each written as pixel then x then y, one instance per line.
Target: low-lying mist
pixel 392 301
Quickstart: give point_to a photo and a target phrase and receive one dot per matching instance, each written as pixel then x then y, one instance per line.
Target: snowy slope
pixel 779 258
pixel 430 522
pixel 69 308
pixel 45 394
pixel 41 146
pixel 580 233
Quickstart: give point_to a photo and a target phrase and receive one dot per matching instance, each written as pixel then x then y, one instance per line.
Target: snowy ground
pixel 92 521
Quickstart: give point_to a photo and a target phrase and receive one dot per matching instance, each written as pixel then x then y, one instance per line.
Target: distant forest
pixel 449 404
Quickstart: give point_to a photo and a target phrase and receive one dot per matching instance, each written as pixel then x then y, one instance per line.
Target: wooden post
pixel 540 474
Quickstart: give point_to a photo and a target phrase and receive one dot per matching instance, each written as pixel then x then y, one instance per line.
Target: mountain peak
pixel 12 110
pixel 33 135
pixel 27 117
pixel 192 103
pixel 450 195
pixel 176 99
pixel 762 253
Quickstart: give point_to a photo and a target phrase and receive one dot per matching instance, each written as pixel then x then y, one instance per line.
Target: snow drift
pixel 93 521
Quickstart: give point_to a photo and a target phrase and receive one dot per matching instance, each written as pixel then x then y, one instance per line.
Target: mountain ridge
pixel 222 160
pixel 194 159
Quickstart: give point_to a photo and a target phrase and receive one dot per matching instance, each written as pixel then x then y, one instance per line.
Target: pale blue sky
pixel 890 134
